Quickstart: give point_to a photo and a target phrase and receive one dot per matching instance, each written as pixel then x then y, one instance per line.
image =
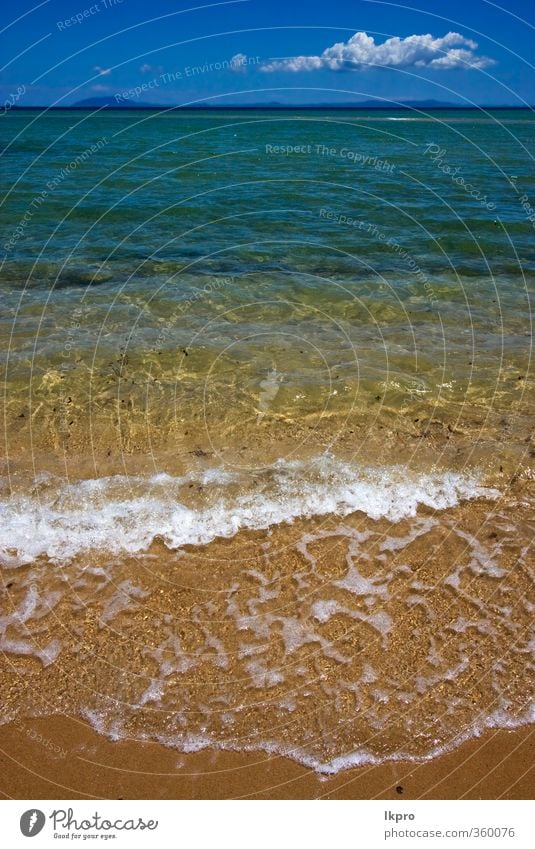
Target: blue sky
pixel 57 52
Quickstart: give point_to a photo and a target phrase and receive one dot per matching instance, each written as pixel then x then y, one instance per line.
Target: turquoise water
pixel 324 260
pixel 207 188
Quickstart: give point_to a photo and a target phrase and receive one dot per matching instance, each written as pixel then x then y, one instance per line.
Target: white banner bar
pixel 269 825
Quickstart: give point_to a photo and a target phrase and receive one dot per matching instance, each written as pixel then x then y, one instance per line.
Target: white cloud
pixel 361 51
pixel 103 72
pixel 147 69
pixel 238 63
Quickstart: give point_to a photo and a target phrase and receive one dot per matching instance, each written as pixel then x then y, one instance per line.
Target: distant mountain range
pixel 111 103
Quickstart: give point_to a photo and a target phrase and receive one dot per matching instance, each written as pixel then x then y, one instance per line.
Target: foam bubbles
pixel 124 515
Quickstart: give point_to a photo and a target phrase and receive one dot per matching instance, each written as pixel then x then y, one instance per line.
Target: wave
pixel 189 743
pixel 125 515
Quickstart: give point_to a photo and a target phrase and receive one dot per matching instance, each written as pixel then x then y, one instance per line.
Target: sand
pixel 63 757
pixel 498 765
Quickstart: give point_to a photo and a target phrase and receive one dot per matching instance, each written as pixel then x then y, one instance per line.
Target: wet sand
pixel 461 576
pixel 497 765
pixel 281 636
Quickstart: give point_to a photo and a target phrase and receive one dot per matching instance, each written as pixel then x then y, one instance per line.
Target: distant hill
pixel 360 104
pixel 408 104
pixel 111 103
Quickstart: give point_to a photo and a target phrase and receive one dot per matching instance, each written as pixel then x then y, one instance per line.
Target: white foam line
pixel 189 742
pixel 125 515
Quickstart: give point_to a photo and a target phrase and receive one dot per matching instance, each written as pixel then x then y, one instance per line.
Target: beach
pixel 267 491
pixel 496 766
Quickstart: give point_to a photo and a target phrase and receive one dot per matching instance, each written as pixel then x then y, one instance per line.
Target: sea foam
pixel 124 515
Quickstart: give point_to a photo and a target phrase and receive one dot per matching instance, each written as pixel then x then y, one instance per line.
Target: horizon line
pixel 271 107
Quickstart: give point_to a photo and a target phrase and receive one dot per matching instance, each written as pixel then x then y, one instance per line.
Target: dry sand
pixel 498 765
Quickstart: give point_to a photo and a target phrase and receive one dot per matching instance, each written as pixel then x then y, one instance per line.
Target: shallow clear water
pixel 268 406
pixel 356 265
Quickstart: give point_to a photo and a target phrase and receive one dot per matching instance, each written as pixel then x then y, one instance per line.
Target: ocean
pixel 268 427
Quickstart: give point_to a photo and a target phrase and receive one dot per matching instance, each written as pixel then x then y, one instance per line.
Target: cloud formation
pixel 147 69
pixel 238 63
pixel 360 52
pixel 103 72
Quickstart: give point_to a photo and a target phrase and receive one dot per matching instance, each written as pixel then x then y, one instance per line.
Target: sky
pixel 167 52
